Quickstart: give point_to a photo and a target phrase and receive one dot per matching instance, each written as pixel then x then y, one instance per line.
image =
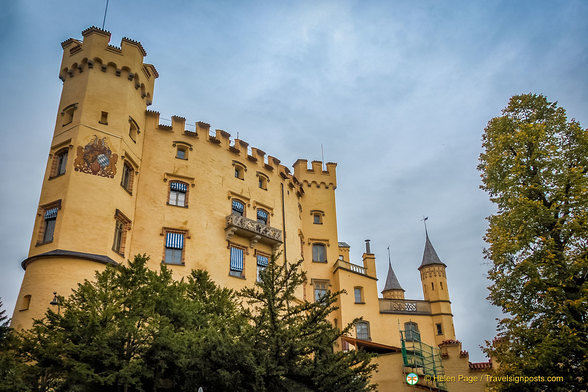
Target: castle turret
pixel 436 292
pixel 392 288
pixel 87 200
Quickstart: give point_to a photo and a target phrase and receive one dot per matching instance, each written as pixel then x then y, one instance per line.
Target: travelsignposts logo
pixel 412 378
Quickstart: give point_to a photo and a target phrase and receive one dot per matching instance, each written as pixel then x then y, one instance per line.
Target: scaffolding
pixel 423 359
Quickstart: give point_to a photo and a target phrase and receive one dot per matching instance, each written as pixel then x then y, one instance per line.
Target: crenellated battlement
pixel 315 175
pixel 96 53
pixel 240 148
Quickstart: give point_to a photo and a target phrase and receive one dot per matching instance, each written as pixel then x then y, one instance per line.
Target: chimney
pixel 367 247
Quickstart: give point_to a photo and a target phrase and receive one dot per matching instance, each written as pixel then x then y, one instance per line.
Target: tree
pixel 293 339
pixel 4 324
pixel 534 166
pixel 134 329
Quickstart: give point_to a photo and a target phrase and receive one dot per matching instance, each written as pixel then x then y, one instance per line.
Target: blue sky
pixel 398 93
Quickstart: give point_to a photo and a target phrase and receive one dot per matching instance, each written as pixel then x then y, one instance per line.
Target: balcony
pixel 358 269
pixel 404 306
pixel 253 230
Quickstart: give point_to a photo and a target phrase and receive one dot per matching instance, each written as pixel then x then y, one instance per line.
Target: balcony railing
pixel 404 306
pixel 358 269
pixel 252 229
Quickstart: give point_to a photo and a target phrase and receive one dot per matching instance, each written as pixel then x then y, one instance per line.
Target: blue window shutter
pixel 51 213
pixel 262 260
pixel 238 206
pixel 236 259
pixel 174 240
pixel 179 186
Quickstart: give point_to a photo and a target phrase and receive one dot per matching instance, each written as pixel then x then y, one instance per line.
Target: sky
pixel 398 93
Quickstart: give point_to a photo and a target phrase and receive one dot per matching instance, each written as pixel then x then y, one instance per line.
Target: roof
pixel 67 253
pixel 392 282
pixel 343 245
pixel 430 257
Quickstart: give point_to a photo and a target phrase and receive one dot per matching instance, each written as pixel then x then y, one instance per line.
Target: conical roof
pixel 429 255
pixel 392 282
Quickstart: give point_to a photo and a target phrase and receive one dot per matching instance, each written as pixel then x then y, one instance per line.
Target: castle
pixel 119 183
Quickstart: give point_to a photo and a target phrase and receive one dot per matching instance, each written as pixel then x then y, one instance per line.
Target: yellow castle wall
pixel 102 78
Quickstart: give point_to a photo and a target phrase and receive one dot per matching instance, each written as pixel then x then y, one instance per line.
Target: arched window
pixel 59 163
pixel 238 207
pixel 133 129
pixel 128 174
pixel 262 216
pixel 319 253
pixel 411 331
pixel 362 330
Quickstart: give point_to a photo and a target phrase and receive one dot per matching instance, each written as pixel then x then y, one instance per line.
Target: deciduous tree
pixel 534 166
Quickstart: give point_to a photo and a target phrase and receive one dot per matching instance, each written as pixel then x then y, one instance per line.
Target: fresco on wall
pixel 96 158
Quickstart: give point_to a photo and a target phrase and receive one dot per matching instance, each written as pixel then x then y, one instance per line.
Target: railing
pixel 256 231
pixel 404 306
pixel 358 269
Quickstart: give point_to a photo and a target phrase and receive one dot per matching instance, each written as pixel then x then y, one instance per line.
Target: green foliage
pixel 135 329
pixel 293 339
pixel 534 166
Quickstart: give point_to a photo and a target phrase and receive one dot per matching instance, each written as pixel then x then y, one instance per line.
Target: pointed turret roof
pixel 429 255
pixel 392 282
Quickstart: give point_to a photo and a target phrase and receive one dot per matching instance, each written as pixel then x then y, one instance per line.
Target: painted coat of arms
pixel 96 158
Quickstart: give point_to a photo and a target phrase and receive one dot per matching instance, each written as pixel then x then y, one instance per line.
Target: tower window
pixel 432 286
pixel 441 285
pixel 128 174
pixel 238 207
pixel 239 170
pixel 320 289
pixel 362 330
pixel 439 329
pixel 133 129
pixel 174 248
pixel 262 180
pixel 50 218
pixel 59 163
pixel 26 302
pixel 319 253
pixel 236 262
pixel 68 113
pixel 122 224
pixel 181 153
pixel 358 292
pixel 317 217
pixel 178 192
pixel 104 118
pixel 262 216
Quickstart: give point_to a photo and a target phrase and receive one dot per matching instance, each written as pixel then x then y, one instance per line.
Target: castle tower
pixel 87 201
pixel 392 288
pixel 319 246
pixel 436 292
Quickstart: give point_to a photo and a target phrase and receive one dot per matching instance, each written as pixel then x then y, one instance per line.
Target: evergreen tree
pixel 534 166
pixel 134 329
pixel 4 324
pixel 293 338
